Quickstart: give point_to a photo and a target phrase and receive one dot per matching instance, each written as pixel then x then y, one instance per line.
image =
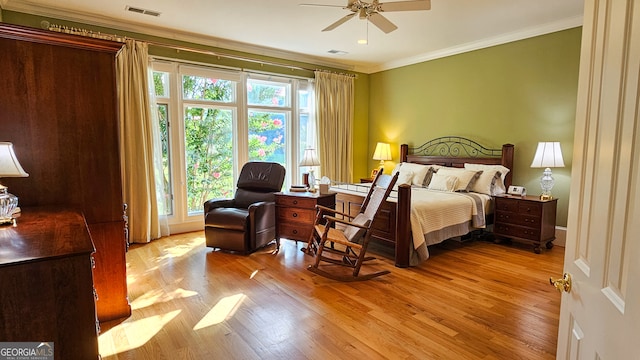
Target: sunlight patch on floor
pixel 158 296
pixel 137 333
pixel 179 250
pixel 254 273
pixel 224 309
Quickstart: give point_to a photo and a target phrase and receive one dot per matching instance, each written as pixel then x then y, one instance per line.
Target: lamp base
pixel 8 204
pixel 546 197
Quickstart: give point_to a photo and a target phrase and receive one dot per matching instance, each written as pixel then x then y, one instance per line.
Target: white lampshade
pixel 382 152
pixel 9 165
pixel 310 158
pixel 548 155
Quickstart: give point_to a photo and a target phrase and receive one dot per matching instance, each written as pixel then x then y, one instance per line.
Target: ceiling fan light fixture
pixel 362 13
pixel 371 11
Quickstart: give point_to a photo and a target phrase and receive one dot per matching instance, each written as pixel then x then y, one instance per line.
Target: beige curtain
pixel 137 143
pixel 334 117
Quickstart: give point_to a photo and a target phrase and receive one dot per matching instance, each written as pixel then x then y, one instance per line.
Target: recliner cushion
pixel 261 176
pixel 244 198
pixel 227 218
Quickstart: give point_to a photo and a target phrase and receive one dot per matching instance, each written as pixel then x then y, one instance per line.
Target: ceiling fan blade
pixel 382 23
pixel 349 4
pixel 339 22
pixel 322 5
pixel 406 5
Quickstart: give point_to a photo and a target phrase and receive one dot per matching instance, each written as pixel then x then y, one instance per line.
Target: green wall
pixel 520 93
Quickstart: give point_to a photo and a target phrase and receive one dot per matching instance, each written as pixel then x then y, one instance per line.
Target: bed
pixel 397 220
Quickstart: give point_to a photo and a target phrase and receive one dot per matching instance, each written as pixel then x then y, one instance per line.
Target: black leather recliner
pixel 248 221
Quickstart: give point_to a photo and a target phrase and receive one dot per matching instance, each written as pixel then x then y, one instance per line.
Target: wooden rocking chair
pixel 352 234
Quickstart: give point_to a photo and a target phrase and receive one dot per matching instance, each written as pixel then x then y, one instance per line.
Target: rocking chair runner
pixel 352 234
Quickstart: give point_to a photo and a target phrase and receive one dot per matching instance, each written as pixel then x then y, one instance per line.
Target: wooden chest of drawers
pixel 526 219
pixel 295 213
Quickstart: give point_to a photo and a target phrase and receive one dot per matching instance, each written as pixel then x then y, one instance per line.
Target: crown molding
pixel 548 28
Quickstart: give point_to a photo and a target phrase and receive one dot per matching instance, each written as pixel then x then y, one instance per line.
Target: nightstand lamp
pixel 9 167
pixel 382 153
pixel 548 155
pixel 310 159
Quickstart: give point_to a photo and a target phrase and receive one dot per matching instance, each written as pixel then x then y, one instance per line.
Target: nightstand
pixel 527 219
pixel 296 212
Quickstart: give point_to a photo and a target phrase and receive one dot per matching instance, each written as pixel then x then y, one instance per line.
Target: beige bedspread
pixel 437 216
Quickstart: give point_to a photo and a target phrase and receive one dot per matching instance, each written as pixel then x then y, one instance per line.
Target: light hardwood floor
pixel 472 300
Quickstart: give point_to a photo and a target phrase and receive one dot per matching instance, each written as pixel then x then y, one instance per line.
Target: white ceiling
pixel 284 29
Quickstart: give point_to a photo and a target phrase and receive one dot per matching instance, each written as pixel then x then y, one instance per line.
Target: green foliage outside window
pixel 208 132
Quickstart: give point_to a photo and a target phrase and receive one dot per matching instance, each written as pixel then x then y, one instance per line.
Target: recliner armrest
pixel 217 203
pixel 261 207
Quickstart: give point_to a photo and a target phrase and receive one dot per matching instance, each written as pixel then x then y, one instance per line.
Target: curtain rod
pixel 90 33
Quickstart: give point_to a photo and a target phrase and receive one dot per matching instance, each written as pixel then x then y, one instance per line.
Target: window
pixel 269 115
pixel 161 81
pixel 214 120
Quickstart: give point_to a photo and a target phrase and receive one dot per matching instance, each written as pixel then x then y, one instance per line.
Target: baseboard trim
pixel 561 236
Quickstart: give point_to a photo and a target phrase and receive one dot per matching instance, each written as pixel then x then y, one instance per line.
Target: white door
pixel 600 316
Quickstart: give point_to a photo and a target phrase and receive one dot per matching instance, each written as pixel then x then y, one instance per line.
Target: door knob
pixel 563 284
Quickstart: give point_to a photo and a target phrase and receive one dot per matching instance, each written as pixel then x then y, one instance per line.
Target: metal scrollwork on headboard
pixel 454 146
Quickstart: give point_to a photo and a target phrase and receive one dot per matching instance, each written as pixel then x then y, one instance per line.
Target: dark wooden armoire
pixel 58 106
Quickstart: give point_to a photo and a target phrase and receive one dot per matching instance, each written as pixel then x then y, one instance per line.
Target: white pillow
pixel 497 187
pixel 503 170
pixel 466 178
pixel 443 182
pixel 486 183
pixel 405 178
pixel 419 172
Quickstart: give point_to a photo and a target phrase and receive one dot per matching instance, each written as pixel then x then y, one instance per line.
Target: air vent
pixel 337 52
pixel 143 11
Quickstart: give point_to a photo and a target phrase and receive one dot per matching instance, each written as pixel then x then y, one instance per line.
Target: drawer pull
pixel 295 202
pixel 295 232
pixel 294 214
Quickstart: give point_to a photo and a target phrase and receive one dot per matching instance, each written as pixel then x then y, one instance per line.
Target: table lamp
pixel 382 153
pixel 310 159
pixel 548 155
pixel 9 167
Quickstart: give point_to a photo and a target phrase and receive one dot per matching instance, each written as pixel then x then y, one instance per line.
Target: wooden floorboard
pixel 471 300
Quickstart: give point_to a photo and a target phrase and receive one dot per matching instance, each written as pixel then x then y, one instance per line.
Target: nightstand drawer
pixel 529 208
pixel 300 202
pixel 295 231
pixel 517 231
pixel 289 214
pixel 518 219
pixel 510 205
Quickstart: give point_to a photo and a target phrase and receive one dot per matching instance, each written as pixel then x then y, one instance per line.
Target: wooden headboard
pixel 455 151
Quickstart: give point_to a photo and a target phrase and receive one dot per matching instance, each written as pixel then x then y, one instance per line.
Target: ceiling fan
pixel 371 11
